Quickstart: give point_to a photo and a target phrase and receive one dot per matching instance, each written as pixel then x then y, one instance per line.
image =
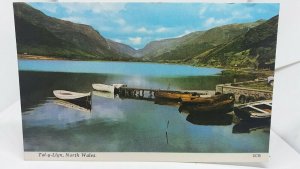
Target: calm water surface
pixel 126 125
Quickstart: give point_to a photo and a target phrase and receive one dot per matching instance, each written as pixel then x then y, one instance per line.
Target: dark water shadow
pixel 210 119
pixel 251 125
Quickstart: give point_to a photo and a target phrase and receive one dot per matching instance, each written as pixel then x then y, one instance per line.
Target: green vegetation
pixel 261 85
pixel 235 46
pixel 39 34
pixel 250 45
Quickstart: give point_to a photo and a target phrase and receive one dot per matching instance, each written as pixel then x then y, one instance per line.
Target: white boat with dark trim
pixel 119 85
pixel 260 110
pixel 104 87
pixel 73 97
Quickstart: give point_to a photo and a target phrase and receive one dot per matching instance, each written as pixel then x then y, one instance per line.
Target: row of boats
pixel 191 102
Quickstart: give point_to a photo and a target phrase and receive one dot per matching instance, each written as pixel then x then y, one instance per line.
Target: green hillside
pixel 39 34
pixel 255 48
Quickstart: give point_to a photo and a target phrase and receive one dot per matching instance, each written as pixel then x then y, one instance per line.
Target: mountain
pixel 39 34
pixel 254 48
pixel 156 48
pixel 235 45
pixel 121 48
pixel 194 43
pixel 241 45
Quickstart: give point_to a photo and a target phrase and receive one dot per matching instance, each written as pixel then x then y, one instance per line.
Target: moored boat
pixel 221 106
pixel 74 97
pixel 119 85
pixel 104 87
pixel 174 94
pixel 260 110
pixel 206 99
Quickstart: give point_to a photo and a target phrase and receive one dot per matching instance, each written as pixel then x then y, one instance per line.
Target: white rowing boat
pixel 119 85
pixel 104 87
pixel 68 95
pixel 260 110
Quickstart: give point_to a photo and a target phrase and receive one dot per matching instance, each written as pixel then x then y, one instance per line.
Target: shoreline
pixel 224 70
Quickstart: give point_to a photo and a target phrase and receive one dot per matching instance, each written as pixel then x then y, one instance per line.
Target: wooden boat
pixel 174 94
pixel 104 87
pixel 206 99
pixel 217 107
pixel 260 110
pixel 83 108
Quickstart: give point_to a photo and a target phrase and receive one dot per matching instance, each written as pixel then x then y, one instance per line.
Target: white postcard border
pixel 146 157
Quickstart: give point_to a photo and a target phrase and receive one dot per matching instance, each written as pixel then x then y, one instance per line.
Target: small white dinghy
pixel 68 95
pixel 119 85
pixel 104 87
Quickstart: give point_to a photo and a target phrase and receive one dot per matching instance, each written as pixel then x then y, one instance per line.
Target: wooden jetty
pixel 145 94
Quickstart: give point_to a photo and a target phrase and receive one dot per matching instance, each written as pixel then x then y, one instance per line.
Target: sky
pixel 137 24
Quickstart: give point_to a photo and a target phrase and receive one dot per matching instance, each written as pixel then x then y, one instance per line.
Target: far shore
pixel 38 57
pixel 226 70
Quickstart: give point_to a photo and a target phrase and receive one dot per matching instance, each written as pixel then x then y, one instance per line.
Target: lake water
pixel 126 125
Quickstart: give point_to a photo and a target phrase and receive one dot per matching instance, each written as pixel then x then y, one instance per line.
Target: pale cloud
pixel 184 33
pixel 210 22
pixel 143 30
pixel 76 19
pixel 106 8
pixel 161 30
pixel 230 13
pixel 148 31
pixel 202 11
pixel 135 40
pixel 127 29
pixel 240 15
pixel 117 40
pixel 49 7
pixel 120 21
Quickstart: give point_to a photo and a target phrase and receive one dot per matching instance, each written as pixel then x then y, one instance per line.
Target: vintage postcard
pixel 186 82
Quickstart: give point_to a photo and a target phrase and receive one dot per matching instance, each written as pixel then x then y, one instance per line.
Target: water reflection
pixel 166 102
pixel 84 107
pixel 210 119
pixel 117 124
pixel 104 94
pixel 250 126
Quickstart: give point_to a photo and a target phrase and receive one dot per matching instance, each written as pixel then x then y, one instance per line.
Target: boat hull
pixel 216 108
pixel 254 111
pixel 243 114
pixel 173 95
pixel 81 99
pixel 206 100
pixel 104 87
